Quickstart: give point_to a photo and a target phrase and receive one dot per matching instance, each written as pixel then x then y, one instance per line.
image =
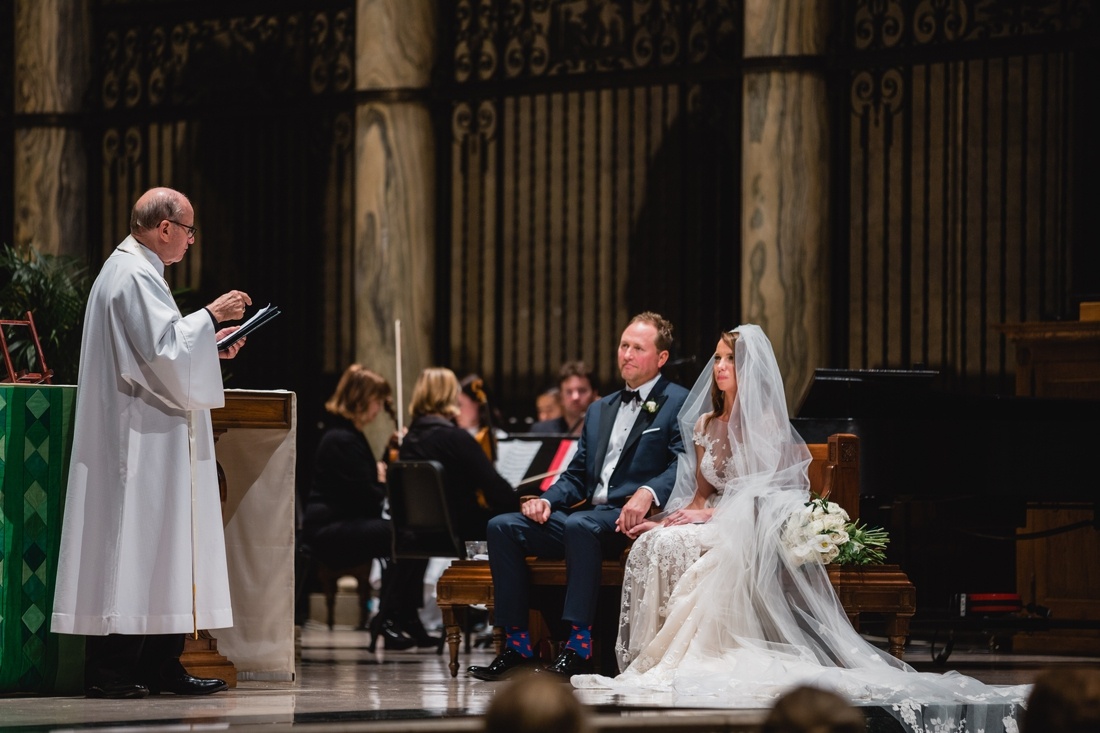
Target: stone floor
pixel 342 686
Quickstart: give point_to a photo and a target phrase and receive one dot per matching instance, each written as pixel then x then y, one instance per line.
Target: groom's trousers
pixel 582 538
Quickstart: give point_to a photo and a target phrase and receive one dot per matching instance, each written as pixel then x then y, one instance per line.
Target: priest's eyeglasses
pixel 190 230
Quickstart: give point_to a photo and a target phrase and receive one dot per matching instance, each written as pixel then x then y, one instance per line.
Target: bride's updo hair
pixel 717 396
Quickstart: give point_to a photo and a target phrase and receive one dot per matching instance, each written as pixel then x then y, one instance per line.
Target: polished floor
pixel 340 685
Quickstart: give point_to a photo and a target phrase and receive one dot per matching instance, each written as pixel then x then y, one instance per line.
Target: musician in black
pixel 576 391
pixel 343 524
pixel 475 491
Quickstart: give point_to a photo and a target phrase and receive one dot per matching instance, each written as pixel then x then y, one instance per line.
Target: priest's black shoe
pixel 568 664
pixel 117 690
pixel 508 663
pixel 185 684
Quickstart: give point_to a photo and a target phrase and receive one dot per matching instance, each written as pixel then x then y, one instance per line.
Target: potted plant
pixel 55 289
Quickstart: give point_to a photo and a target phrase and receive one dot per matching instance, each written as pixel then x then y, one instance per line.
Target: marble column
pixel 53 67
pixel 785 176
pixel 394 190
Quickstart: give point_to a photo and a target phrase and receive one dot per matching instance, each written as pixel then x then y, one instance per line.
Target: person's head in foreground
pixel 1064 701
pixel 813 710
pixel 535 703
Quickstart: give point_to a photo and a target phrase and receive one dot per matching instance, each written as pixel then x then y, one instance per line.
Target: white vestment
pixel 142 521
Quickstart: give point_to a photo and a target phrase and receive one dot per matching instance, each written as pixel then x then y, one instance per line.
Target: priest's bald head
pixel 164 221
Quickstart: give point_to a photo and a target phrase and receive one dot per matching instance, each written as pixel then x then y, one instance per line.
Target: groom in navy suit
pixel 625 464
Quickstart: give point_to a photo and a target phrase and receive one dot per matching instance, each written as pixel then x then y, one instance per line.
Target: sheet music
pixel 514 457
pixel 561 460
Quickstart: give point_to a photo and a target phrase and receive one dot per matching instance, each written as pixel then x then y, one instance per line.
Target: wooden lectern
pixel 255 410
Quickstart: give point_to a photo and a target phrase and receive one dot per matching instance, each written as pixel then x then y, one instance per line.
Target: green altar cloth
pixel 36 433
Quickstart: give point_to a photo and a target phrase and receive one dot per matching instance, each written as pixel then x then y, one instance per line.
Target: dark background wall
pixel 588 167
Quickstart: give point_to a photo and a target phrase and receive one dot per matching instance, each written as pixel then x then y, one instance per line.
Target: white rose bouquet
pixel 821 531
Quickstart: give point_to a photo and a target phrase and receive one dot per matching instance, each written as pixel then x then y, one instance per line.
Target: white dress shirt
pixel 624 421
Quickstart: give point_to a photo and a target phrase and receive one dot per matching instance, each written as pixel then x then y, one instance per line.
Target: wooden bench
pixel 834 472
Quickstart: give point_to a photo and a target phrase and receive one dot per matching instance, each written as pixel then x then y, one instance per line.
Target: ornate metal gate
pixel 965 135
pixel 589 170
pixel 249 110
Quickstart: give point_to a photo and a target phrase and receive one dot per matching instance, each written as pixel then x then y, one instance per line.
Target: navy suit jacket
pixel 649 456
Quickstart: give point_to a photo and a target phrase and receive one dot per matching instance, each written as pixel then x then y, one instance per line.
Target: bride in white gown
pixel 718 611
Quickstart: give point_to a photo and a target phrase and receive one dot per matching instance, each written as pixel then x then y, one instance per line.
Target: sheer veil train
pixel 749 620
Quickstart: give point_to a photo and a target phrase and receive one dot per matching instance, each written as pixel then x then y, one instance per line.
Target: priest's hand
pixel 230 307
pixel 232 350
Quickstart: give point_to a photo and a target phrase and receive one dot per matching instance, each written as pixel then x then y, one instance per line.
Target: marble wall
pixel 394 191
pixel 785 173
pixel 53 65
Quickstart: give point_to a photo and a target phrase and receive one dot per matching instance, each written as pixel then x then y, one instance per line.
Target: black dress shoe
pixel 568 664
pixel 117 690
pixel 414 629
pixel 185 684
pixel 392 638
pixel 508 663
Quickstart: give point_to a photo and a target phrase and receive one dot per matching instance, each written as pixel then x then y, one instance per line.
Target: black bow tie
pixel 631 395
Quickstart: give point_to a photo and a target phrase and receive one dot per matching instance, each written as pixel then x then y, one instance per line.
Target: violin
pixel 485 436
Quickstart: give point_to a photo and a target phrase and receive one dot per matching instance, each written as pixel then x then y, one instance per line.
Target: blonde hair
pixel 357 388
pixel 435 393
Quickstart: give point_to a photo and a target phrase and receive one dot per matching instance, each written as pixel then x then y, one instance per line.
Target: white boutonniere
pixel 650 406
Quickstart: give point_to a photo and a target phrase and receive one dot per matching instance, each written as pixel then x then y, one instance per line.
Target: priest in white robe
pixel 142 558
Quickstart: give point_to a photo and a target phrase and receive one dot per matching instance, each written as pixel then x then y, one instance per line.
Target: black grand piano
pixel 951 476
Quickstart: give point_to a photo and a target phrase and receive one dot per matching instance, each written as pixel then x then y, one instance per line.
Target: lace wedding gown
pixel 745 619
pixel 659 557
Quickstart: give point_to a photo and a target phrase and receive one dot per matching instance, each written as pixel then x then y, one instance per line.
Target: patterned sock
pixel 580 641
pixel 518 639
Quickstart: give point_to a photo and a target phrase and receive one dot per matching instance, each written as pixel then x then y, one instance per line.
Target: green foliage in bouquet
pixel 865 545
pixel 55 290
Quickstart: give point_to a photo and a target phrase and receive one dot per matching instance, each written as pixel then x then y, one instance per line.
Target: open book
pixel 258 319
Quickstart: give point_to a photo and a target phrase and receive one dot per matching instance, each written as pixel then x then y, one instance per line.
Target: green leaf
pixel 55 289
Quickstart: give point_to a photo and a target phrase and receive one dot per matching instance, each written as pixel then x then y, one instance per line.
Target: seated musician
pixel 475 491
pixel 548 405
pixel 478 416
pixel 576 391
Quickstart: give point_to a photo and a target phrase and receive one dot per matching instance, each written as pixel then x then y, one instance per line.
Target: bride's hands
pixel 686 516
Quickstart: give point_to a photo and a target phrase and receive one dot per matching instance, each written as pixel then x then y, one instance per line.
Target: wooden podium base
pixel 201 659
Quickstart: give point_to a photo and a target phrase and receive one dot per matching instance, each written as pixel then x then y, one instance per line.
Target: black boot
pixel 392 637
